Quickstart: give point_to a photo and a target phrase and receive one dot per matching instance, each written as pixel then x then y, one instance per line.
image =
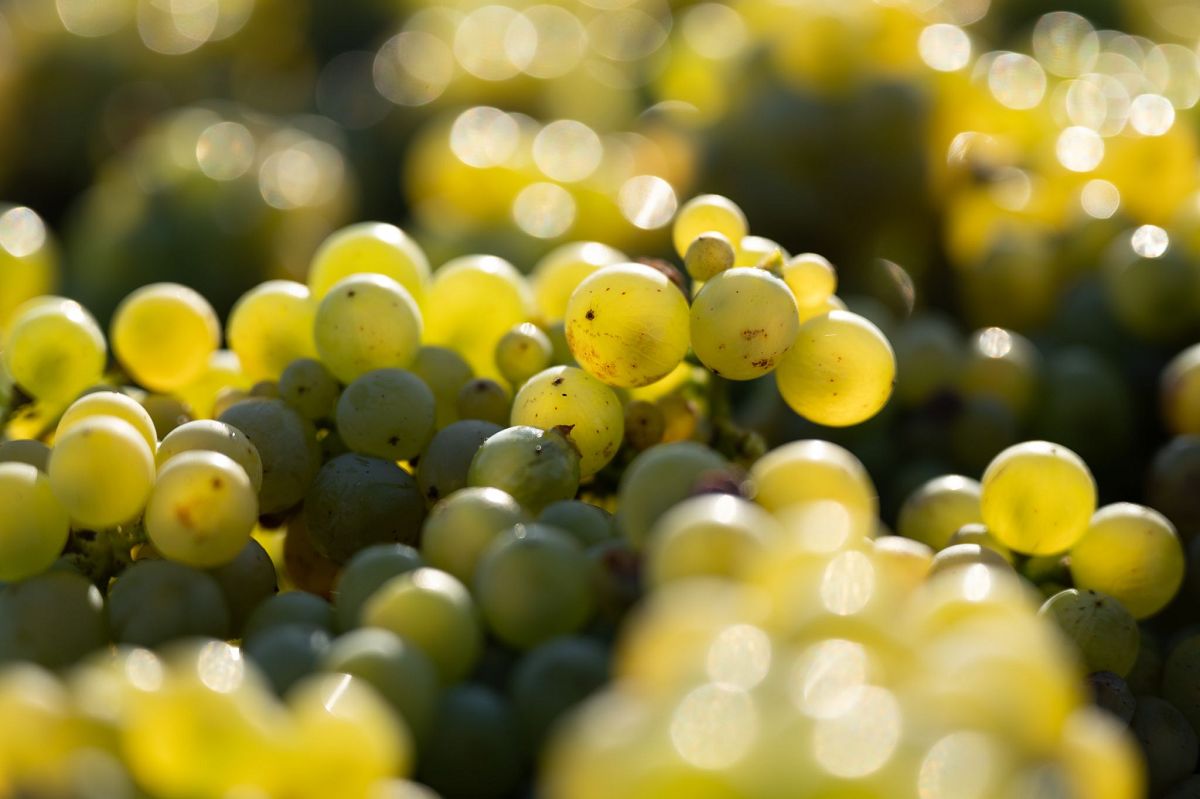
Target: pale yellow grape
pixel 523 352
pixel 709 255
pixel 834 303
pixel 223 373
pixel 212 436
pixel 109 403
pixel 978 534
pixel 961 555
pixel 163 334
pixel 704 213
pixel 840 371
pixel 472 301
pixel 1179 392
pixel 627 325
pixel 807 471
pixel 714 535
pixel 28 259
pixel 938 508
pixel 565 395
pixel 369 247
pixel 812 279
pixel 202 509
pixel 54 350
pixel 366 322
pixel 1131 553
pixel 902 562
pixel 743 321
pixel 33 527
pixel 758 251
pixel 1038 498
pixel 562 269
pixel 102 471
pixel 270 326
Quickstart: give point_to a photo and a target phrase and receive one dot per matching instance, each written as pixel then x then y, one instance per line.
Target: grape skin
pixel 570 397
pixel 34 526
pixel 102 472
pixel 446 461
pixel 270 326
pixel 54 350
pixel 109 403
pixel 387 413
pixel 213 436
pixel 461 527
pixel 704 213
pixel 164 334
pixel 366 322
pixel 369 247
pixel 286 445
pixel 743 321
pixel 557 274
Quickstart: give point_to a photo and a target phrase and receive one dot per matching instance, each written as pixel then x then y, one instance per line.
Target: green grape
pixel 25 450
pixel 109 403
pixel 286 654
pixel 246 582
pixel 929 354
pixel 1103 630
pixel 369 248
pixel 759 252
pixel 444 464
pixel 54 350
pixel 645 424
pixel 535 466
pixel 552 679
pixel 809 471
pixel 1111 692
pixel 1167 741
pixel 812 279
pixel 210 435
pixel 522 352
pixel 1131 553
pixel 1181 677
pixel 290 607
pixel 366 322
pixel 934 512
pixel 1179 392
pixel 53 620
pixel 388 413
pixel 839 372
pixel 101 471
pixel 628 325
pixel 356 501
pixel 586 523
pixel 166 412
pixel 471 303
pixel 559 271
pixel 1170 485
pixel 368 569
pixel 462 526
pixel 163 334
pixel 659 478
pixel 1037 498
pixel 287 447
pixel 976 533
pixel 714 535
pixel 34 526
pixel 743 321
pixel 435 612
pixel 202 509
pixel 400 671
pixel 483 399
pixel 264 389
pixel 708 255
pixel 309 387
pixel 1002 364
pixel 475 719
pixel 445 372
pixel 707 212
pixel 155 601
pixel 270 326
pixel 532 585
pixel 567 397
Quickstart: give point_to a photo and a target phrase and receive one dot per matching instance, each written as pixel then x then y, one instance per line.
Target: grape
pixel 708 255
pixel 475 719
pixel 155 601
pixel 567 397
pixel 552 679
pixel 484 400
pixel 287 653
pixel 522 352
pixel 1181 677
pixel 959 555
pixel 445 462
pixel 54 350
pixel 246 582
pixel 1100 758
pixel 711 535
pixel 270 326
pixel 615 579
pixel 462 526
pixel 163 334
pixel 308 387
pixel 445 372
pixel 1112 693
pixel 166 412
pixel 29 260
pixel 287 446
pixel 1179 392
pixel 1131 553
pixel 401 673
pixel 559 271
pixel 532 585
pixel 759 252
pixel 1152 298
pixel 628 325
pixel 703 213
pixel 586 523
pixel 368 569
pixel 101 471
pixel 929 354
pixel 1103 630
pixel 935 511
pixel 401 789
pixel 53 620
pixel 807 312
pixel 366 322
pixel 356 501
pixel 202 509
pixel 1168 742
pixel 434 611
pixel 656 480
pixel 807 471
pixel 1037 498
pixel 743 321
pixel 388 413
pixel 645 424
pixel 1002 364
pixel 536 467
pixel 220 385
pixel 212 436
pixel 812 279
pixel 290 607
pixel 304 567
pixel 978 534
pixel 34 526
pixel 902 562
pixel 1171 483
pixel 839 372
pixel 25 450
pixel 369 247
pixel 109 403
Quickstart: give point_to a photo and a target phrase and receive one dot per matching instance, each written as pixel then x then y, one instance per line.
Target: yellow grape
pixel 34 526
pixel 109 403
pixel 54 349
pixel 708 256
pixel 270 326
pixel 369 247
pixel 163 334
pixel 1037 498
pixel 224 372
pixel 562 269
pixel 715 535
pixel 978 534
pixel 102 471
pixel 628 325
pixel 935 511
pixel 833 303
pixel 565 395
pixel 742 323
pixel 1131 553
pixel 807 471
pixel 704 213
pixel 812 279
pixel 1179 392
pixel 367 322
pixel 523 352
pixel 758 251
pixel 840 371
pixel 209 435
pixel 1101 759
pixel 28 260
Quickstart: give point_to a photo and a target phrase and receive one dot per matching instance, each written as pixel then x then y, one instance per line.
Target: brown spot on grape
pixel 184 515
pixel 217 483
pixel 351 293
pixel 751 334
pixel 590 315
pixel 557 382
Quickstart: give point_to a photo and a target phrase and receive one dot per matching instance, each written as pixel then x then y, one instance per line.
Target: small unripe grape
pixel 708 255
pixel 523 352
pixel 485 400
